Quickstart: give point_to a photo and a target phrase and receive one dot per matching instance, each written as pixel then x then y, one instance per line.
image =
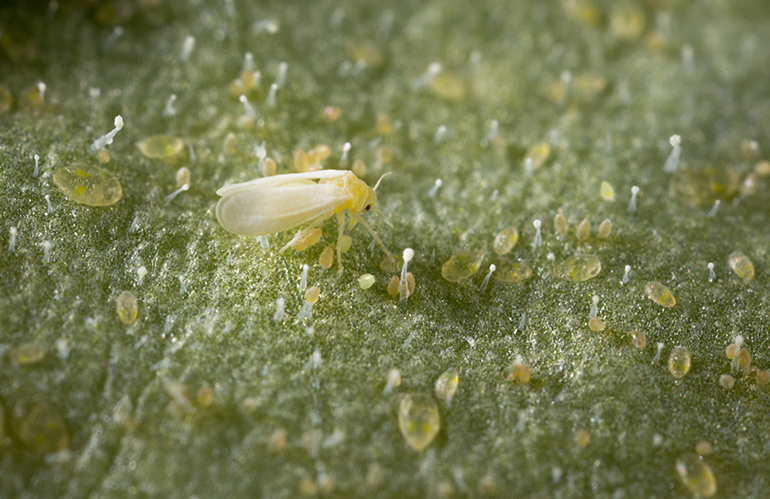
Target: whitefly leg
pixel 340 233
pixel 371 231
pixel 293 241
pixel 304 232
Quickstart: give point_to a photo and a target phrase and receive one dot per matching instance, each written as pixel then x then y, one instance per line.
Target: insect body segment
pixel 282 202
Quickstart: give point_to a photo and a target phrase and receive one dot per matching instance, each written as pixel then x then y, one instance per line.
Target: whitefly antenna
pixel 382 217
pixel 380 180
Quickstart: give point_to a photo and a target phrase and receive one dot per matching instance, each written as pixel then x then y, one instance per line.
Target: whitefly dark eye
pixel 368 207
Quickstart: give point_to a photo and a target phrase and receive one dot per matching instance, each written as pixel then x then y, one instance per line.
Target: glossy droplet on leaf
pixel 604 229
pixel 596 324
pixel 726 381
pixel 418 420
pixel 205 396
pixel 127 307
pixel 447 383
pixel 762 377
pixel 679 362
pixel 301 244
pixel 89 185
pixel 312 293
pixel 410 286
pixel 580 269
pixel 744 359
pixel 449 87
pixel 346 242
pixel 583 11
pixel 606 191
pixel 39 427
pixel 660 294
pixel 393 285
pixel 582 438
pixel 392 263
pixel 703 448
pixel 696 475
pixel 326 258
pixel 583 230
pixel 560 224
pixel 538 153
pixel 741 265
pixel 182 177
pixel 513 272
pixel 627 21
pixel 462 265
pixel 637 339
pixel 518 369
pixel 160 146
pixel 29 353
pixel 505 240
pixel 313 236
pixel 703 187
pixel 366 281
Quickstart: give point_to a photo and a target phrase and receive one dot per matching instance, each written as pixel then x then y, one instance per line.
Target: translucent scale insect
pixel 281 202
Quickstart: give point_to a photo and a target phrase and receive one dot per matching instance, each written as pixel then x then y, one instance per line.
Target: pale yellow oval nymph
pixel 89 185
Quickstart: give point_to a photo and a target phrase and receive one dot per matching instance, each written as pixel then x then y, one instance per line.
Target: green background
pixel 114 390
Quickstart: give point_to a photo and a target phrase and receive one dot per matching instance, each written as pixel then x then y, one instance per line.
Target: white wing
pixel 288 178
pixel 262 207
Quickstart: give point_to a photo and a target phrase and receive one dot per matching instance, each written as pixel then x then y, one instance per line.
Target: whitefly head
pixel 370 198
